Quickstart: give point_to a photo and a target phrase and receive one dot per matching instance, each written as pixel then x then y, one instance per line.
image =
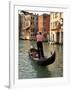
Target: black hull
pixel 45 61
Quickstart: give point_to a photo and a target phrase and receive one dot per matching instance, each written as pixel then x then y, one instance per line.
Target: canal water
pixel 28 69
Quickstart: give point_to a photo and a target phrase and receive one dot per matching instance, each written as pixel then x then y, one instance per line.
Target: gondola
pixel 42 61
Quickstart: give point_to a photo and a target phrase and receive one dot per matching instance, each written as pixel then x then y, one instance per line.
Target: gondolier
pixel 39 39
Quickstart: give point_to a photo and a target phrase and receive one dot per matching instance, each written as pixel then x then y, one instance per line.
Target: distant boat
pixel 42 61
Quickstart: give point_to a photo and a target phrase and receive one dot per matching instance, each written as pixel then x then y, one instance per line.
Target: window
pixel 56 14
pixel 56 24
pixel 53 15
pixel 60 14
pixel 53 24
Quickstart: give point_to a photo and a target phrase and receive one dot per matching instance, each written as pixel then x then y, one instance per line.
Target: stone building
pixel 27 25
pixel 35 24
pixel 56 27
pixel 24 26
pixel 32 27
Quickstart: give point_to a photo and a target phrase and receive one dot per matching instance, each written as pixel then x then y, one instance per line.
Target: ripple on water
pixel 29 69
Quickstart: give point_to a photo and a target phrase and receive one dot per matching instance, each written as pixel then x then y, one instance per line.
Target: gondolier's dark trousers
pixel 40 49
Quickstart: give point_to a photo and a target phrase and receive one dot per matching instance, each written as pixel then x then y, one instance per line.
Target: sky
pixel 35 12
pixel 39 12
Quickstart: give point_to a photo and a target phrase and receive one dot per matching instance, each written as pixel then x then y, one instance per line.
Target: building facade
pixel 28 25
pixel 24 26
pixel 40 23
pixel 44 25
pixel 56 27
pixel 35 24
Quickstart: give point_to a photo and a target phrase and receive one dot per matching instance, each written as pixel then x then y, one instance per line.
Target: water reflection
pixel 29 69
pixel 41 72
